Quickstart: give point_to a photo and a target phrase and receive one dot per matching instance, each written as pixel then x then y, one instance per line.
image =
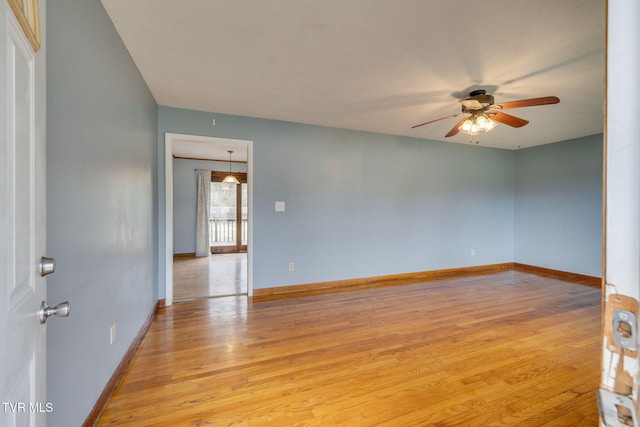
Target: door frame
pixel 168 206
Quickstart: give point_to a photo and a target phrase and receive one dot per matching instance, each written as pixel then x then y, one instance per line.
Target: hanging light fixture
pixel 230 179
pixel 476 124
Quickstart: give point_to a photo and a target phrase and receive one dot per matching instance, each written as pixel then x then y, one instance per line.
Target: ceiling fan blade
pixel 454 130
pixel 510 120
pixel 436 120
pixel 546 100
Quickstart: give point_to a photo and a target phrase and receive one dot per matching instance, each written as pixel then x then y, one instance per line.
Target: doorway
pixel 224 271
pixel 229 264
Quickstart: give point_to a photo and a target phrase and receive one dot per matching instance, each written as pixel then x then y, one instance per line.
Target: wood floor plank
pixel 210 276
pixel 510 348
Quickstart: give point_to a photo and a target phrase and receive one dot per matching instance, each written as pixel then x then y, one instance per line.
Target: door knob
pixel 47 265
pixel 60 310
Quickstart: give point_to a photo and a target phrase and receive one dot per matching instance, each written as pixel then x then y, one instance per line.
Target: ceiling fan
pixel 484 113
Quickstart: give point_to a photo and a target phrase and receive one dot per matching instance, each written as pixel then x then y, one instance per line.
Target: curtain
pixel 203 201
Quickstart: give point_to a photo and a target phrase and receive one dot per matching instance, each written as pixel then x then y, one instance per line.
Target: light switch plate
pixel 279 206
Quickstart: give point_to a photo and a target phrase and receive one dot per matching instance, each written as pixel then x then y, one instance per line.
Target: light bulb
pixel 482 122
pixel 490 125
pixel 466 126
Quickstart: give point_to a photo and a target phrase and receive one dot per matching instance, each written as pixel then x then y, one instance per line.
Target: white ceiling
pixel 374 65
pixel 207 148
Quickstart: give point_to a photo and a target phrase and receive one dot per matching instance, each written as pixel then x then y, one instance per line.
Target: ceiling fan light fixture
pixel 469 127
pixel 230 179
pixel 488 124
pixel 476 124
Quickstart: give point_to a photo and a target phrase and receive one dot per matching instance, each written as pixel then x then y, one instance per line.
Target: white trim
pixel 168 207
pixel 250 218
pixel 168 218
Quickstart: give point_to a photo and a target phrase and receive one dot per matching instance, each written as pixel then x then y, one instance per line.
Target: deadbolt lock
pixel 47 265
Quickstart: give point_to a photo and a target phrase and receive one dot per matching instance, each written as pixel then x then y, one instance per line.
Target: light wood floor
pixel 212 276
pixel 506 349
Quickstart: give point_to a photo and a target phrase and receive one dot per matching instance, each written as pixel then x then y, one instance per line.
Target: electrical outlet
pixel 473 252
pixel 112 334
pixel 291 266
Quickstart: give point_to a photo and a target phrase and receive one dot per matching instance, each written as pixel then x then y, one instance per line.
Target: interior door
pixel 22 227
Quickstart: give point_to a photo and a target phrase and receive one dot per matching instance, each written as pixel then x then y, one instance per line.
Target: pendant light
pixel 230 179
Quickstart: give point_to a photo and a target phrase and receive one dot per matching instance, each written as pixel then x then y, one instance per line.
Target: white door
pixel 22 227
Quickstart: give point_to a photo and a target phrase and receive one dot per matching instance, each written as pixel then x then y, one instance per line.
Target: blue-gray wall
pixel 558 206
pixel 361 204
pixel 184 199
pixel 101 198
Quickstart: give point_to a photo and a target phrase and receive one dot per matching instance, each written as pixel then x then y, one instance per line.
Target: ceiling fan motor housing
pixel 481 96
pixel 484 99
pixel 481 102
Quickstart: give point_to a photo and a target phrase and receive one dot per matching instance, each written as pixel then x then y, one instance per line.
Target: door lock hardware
pixel 624 329
pixel 616 410
pixel 60 310
pixel 47 265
